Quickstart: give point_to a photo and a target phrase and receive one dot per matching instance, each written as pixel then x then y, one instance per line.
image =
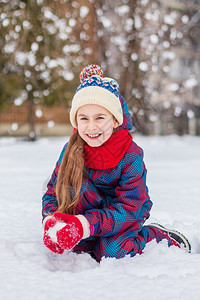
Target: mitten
pixel 49 243
pixel 76 228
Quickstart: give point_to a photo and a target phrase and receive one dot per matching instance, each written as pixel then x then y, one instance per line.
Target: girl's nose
pixel 91 125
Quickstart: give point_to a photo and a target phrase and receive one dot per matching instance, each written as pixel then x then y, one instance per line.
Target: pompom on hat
pixel 96 89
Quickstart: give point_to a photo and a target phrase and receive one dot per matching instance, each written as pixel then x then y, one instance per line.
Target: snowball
pixel 53 230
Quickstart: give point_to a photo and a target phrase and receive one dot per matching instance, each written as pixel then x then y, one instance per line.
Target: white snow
pixel 84 10
pixel 143 66
pixel 28 270
pixel 190 82
pixel 154 38
pixel 34 47
pixel 53 230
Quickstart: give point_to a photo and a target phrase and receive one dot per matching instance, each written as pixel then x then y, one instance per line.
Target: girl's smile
pixel 95 124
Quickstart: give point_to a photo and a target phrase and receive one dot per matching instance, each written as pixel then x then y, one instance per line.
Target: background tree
pixel 42 51
pixel 144 44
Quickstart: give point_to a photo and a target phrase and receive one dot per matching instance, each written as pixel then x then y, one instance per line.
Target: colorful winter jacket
pixel 115 201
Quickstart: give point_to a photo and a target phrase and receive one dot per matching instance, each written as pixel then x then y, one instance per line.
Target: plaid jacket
pixel 115 202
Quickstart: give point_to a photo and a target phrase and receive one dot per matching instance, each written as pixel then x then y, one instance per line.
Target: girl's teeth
pixel 93 135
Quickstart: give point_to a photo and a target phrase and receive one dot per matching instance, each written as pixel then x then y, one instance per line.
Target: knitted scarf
pixel 109 154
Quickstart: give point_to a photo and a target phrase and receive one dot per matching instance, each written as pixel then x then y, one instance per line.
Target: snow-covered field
pixel 30 271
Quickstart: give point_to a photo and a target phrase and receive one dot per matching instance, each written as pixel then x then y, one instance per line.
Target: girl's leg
pixel 159 232
pixel 119 246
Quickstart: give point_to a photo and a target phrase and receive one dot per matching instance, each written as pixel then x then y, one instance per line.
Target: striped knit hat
pixel 96 89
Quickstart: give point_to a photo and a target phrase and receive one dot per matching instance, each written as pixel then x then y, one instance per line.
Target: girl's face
pixel 95 124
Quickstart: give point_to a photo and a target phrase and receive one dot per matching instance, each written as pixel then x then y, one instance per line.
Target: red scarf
pixel 109 154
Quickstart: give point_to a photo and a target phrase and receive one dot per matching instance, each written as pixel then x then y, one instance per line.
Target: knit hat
pixel 96 89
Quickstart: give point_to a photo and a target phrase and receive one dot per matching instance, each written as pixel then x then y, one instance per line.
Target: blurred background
pixel 151 47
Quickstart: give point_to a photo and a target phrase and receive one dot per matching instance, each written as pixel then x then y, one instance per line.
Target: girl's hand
pixel 51 244
pixel 71 232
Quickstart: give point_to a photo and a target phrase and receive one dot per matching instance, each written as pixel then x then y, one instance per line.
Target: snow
pixel 29 270
pixel 143 66
pixel 53 230
pixel 154 39
pixel 84 10
pixel 190 82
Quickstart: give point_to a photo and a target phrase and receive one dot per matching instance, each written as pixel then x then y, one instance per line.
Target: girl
pixel 97 200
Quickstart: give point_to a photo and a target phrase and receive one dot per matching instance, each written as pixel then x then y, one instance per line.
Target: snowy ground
pixel 29 271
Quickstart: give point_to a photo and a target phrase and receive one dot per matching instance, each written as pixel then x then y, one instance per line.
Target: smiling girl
pixel 97 200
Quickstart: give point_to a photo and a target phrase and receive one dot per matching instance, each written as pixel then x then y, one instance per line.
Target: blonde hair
pixel 70 175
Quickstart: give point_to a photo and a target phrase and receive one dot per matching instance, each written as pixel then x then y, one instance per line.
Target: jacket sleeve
pixel 49 201
pixel 130 208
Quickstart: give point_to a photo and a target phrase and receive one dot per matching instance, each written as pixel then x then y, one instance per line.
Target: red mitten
pixel 71 234
pixel 49 243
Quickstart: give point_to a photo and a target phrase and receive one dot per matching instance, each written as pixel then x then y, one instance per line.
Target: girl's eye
pixel 99 118
pixel 83 118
